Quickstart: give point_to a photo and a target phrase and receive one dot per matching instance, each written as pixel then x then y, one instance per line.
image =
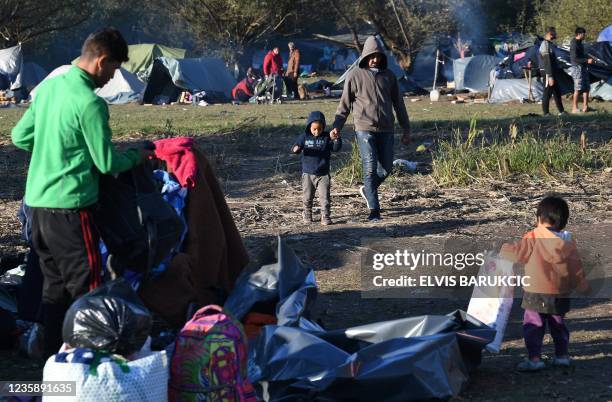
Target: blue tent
pixel 605 35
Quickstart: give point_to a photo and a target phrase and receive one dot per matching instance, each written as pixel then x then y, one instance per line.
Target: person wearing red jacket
pixel 273 63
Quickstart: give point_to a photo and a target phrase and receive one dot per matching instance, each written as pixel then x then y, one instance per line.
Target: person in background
pixel 273 63
pixel 580 70
pixel 371 93
pixel 552 71
pixel 243 91
pixel 66 129
pixel 293 71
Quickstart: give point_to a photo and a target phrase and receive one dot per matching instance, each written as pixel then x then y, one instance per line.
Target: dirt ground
pixel 262 185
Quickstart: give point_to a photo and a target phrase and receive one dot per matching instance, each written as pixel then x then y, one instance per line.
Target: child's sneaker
pixel 531 365
pixel 562 362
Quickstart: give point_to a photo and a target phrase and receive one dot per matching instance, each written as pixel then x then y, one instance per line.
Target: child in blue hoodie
pixel 316 146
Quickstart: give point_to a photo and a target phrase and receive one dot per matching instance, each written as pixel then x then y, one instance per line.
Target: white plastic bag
pixel 147 380
pixel 492 306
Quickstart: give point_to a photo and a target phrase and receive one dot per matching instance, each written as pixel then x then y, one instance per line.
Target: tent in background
pixel 512 89
pixel 511 69
pixel 605 35
pixel 11 61
pixel 476 73
pixel 31 75
pixel 124 87
pixel 602 89
pixel 142 56
pixel 170 76
pixel 459 66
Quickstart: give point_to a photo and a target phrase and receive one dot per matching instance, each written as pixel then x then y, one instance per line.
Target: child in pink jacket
pixel 554 270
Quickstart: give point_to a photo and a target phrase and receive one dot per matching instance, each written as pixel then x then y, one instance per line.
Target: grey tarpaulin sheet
pixel 476 73
pixel 408 359
pixel 515 89
pixel 282 278
pixel 459 66
pixel 204 74
pixel 602 89
pixel 411 358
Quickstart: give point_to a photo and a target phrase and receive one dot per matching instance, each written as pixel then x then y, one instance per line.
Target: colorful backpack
pixel 210 360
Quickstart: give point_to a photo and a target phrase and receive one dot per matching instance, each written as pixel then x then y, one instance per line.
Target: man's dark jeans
pixel 376 151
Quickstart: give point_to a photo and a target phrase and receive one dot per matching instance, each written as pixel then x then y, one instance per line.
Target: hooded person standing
pixel 371 92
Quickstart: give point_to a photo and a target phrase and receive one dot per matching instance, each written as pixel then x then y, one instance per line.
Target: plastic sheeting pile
pixel 414 358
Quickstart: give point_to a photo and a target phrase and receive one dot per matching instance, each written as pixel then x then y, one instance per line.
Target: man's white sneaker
pixel 362 194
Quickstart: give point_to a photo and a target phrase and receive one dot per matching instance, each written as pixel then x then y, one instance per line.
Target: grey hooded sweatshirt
pixel 371 96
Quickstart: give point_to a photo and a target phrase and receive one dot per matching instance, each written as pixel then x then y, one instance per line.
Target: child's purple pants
pixel 534 328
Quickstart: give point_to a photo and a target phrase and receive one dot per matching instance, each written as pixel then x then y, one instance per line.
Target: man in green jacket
pixel 66 129
pixel 371 93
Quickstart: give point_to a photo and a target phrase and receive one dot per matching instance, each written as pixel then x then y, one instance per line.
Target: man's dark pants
pixel 292 86
pixel 66 242
pixel 376 149
pixel 550 91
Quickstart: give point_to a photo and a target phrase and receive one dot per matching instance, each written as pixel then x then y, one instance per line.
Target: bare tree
pixel 232 25
pixel 346 12
pixel 23 20
pixel 405 25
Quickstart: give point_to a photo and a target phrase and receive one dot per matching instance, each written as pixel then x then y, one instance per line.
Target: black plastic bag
pixel 407 359
pixel 111 317
pixel 139 228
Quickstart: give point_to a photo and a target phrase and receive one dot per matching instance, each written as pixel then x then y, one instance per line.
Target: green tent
pixel 142 56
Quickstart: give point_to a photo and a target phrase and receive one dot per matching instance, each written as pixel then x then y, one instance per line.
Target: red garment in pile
pixel 178 155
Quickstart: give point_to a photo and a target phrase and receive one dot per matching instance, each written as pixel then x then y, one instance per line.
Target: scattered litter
pixel 424 147
pixel 492 305
pixel 415 99
pixel 408 165
pixel 434 95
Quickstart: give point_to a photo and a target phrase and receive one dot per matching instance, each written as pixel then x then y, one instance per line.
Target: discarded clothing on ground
pixel 211 258
pixel 111 318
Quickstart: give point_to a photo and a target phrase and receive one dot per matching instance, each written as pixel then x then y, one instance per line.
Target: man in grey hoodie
pixel 371 92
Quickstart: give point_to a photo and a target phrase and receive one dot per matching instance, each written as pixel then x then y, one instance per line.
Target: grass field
pixel 136 120
pixel 494 199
